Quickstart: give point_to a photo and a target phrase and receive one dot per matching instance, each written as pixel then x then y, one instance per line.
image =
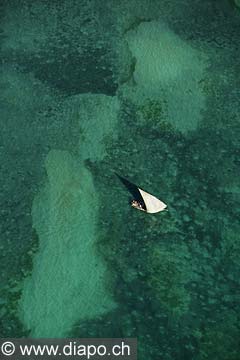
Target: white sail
pixel 153 204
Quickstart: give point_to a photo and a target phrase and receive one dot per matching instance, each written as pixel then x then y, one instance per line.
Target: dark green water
pixel 149 90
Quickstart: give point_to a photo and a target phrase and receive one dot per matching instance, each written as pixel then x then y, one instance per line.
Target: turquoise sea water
pixel 148 90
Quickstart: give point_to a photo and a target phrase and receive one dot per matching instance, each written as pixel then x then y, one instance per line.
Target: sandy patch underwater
pixel 68 281
pixel 170 69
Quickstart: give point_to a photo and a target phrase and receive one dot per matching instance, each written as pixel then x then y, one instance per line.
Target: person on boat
pixel 137 204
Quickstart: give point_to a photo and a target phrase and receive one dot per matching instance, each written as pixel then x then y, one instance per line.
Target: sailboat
pixel 142 200
pixel 149 203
